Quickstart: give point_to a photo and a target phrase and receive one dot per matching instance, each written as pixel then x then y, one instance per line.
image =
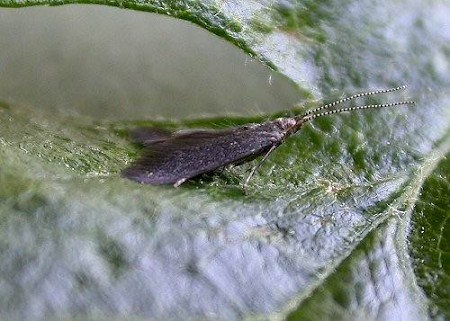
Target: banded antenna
pixel 340 110
pixel 314 112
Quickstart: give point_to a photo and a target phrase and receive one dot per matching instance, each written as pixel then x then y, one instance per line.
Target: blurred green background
pixel 118 64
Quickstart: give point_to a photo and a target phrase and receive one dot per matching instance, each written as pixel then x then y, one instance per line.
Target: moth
pixel 173 158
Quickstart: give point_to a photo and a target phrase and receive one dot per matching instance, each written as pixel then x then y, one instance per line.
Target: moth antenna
pixel 340 110
pixel 343 100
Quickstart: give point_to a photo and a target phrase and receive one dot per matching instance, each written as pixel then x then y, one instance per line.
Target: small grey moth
pixel 173 158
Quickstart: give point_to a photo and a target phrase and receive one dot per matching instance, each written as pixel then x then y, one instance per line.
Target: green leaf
pixel 430 241
pixel 323 232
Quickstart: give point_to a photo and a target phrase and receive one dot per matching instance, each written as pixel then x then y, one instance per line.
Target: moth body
pixel 172 159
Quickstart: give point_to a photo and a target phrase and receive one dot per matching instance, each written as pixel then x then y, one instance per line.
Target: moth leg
pixel 255 168
pixel 179 182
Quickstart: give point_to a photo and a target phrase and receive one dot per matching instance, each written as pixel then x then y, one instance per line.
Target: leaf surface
pixel 323 230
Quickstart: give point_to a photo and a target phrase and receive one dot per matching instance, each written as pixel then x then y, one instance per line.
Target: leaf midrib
pixel 401 208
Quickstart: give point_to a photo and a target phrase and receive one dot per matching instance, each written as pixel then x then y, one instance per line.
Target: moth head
pixel 286 124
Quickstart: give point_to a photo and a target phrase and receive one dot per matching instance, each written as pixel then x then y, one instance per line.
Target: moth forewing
pixel 184 156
